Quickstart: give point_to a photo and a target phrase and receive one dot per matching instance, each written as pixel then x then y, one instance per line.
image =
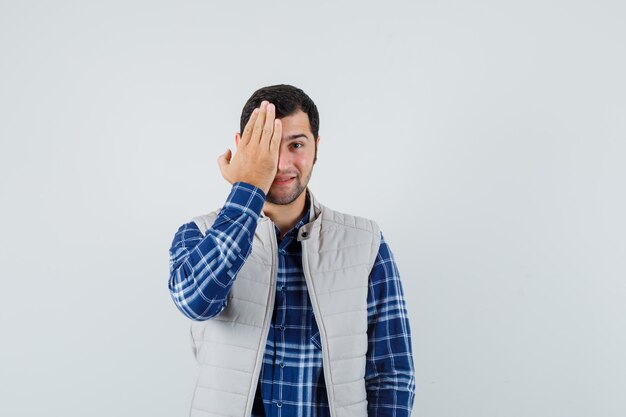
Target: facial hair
pixel 292 196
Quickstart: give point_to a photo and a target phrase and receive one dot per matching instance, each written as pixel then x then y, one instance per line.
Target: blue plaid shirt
pixel 203 268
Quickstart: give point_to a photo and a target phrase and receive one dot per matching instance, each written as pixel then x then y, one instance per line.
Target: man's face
pixel 295 161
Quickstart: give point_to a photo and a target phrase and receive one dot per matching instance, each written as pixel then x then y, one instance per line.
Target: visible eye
pixel 298 145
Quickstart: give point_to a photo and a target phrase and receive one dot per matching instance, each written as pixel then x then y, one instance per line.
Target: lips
pixel 283 180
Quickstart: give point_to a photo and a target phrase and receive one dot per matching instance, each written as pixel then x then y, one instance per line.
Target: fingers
pixel 257 131
pixel 268 127
pixel 276 136
pixel 247 131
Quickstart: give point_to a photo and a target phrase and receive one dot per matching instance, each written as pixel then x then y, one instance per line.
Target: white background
pixel 487 138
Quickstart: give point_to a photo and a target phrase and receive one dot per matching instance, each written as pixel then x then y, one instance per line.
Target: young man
pixel 297 310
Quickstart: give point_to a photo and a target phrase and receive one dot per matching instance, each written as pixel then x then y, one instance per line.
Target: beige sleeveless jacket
pixel 338 252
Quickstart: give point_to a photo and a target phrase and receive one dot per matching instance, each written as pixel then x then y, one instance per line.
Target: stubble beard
pixel 291 196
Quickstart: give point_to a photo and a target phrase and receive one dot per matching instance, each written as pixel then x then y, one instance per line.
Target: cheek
pixel 303 162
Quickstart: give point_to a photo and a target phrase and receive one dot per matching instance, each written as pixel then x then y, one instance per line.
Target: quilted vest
pixel 338 252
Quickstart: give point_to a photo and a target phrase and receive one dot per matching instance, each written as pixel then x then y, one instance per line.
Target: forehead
pixel 297 122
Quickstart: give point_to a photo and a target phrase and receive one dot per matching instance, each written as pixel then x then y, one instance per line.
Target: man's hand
pixel 256 159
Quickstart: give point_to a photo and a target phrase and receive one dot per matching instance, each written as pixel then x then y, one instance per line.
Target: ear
pixel 237 137
pixel 317 143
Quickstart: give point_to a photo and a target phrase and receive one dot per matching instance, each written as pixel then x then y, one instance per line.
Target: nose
pixel 284 161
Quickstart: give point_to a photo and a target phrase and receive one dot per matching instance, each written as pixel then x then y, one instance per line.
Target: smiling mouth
pixel 283 181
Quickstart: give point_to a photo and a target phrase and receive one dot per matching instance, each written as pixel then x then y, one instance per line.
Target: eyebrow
pixel 296 136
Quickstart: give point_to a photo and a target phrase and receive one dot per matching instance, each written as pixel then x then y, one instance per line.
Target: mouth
pixel 283 181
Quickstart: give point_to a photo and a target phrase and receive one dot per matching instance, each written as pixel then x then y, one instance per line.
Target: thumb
pixel 224 160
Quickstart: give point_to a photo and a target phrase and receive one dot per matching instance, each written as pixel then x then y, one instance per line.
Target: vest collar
pixel 315 218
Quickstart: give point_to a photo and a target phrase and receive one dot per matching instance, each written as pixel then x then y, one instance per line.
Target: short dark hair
pixel 287 99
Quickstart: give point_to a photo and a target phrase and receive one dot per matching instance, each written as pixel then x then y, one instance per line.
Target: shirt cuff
pixel 245 197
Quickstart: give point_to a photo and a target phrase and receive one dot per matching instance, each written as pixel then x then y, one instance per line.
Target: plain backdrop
pixel 487 139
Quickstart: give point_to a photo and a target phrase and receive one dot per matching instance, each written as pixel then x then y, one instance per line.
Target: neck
pixel 285 216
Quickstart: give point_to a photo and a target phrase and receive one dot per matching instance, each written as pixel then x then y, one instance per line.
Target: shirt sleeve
pixel 389 373
pixel 203 268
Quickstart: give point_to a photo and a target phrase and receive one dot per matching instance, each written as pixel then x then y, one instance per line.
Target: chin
pixel 285 197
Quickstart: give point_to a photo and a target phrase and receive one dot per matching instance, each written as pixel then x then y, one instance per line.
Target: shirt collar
pixel 304 220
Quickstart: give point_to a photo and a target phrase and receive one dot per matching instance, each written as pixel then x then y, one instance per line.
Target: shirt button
pixel 282 328
pixel 279 404
pixel 282 365
pixel 282 288
pixel 282 251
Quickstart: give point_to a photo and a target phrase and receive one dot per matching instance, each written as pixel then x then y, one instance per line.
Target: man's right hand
pixel 256 159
